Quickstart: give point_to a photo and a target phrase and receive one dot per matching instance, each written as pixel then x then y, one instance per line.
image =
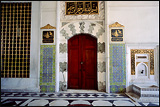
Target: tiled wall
pixel 117 68
pixel 47 68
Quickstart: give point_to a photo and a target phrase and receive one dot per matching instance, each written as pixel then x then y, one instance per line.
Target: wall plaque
pixel 48 37
pixel 116 34
pixel 48 34
pixel 82 8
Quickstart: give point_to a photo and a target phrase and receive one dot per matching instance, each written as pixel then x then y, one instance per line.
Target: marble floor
pixel 69 98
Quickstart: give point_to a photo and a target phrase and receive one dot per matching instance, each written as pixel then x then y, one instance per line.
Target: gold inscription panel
pixel 82 8
pixel 142 51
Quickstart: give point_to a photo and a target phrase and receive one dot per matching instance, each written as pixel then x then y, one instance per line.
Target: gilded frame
pixel 142 51
pixel 48 29
pixel 83 7
pixel 116 33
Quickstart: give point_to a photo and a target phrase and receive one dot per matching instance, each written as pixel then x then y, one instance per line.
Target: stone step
pixel 143 90
pixel 137 98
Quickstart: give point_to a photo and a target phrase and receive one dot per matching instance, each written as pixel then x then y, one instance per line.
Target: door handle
pixel 82 66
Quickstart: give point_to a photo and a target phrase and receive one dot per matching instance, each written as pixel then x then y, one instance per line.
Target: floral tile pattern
pixel 47 68
pixel 117 68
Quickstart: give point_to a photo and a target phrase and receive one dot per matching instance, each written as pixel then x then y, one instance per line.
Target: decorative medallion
pixel 82 8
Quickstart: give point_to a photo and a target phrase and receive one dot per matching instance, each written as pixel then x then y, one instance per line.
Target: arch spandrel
pixel 74 28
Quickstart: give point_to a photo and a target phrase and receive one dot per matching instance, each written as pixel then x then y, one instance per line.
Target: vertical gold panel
pixel 2 22
pixel 23 73
pixel 15 39
pixel 10 41
pixel 6 46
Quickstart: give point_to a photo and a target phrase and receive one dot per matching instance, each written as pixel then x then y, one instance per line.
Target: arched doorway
pixel 82 62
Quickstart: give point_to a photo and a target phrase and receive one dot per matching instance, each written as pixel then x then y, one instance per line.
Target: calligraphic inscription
pixel 80 8
pixel 116 34
pixel 48 37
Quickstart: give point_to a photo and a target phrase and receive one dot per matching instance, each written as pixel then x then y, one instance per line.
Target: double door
pixel 82 62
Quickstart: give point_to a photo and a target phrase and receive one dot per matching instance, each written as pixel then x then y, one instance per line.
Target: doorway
pixel 82 62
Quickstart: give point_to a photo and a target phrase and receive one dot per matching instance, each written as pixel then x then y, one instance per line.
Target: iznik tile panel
pixel 117 68
pixel 47 68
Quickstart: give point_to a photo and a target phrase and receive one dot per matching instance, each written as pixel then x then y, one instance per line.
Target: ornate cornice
pixel 116 24
pixel 48 26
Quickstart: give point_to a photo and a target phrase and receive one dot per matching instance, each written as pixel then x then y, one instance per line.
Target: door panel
pixel 82 62
pixel 74 76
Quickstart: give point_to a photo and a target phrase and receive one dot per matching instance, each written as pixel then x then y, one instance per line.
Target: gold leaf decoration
pixel 48 26
pixel 142 51
pixel 116 24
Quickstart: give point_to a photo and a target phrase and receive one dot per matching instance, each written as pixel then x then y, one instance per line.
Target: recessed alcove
pixel 142 70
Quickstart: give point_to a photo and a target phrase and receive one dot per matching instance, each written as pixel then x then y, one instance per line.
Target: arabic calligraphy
pixel 117 35
pixel 48 36
pixel 80 8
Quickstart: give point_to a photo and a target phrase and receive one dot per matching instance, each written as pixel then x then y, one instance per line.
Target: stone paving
pixel 68 99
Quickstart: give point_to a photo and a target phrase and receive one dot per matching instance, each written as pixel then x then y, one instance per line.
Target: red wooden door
pixel 82 62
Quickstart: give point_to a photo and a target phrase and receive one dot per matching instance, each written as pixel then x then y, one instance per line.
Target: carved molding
pixel 140 62
pixel 116 24
pixel 48 26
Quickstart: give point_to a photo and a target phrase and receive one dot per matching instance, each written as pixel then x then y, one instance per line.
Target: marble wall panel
pixel 47 68
pixel 91 28
pixel 117 68
pixel 62 48
pixel 100 32
pixel 64 33
pixel 64 23
pixel 72 28
pixel 101 47
pixel 63 66
pixel 101 67
pixel 102 86
pixel 82 27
